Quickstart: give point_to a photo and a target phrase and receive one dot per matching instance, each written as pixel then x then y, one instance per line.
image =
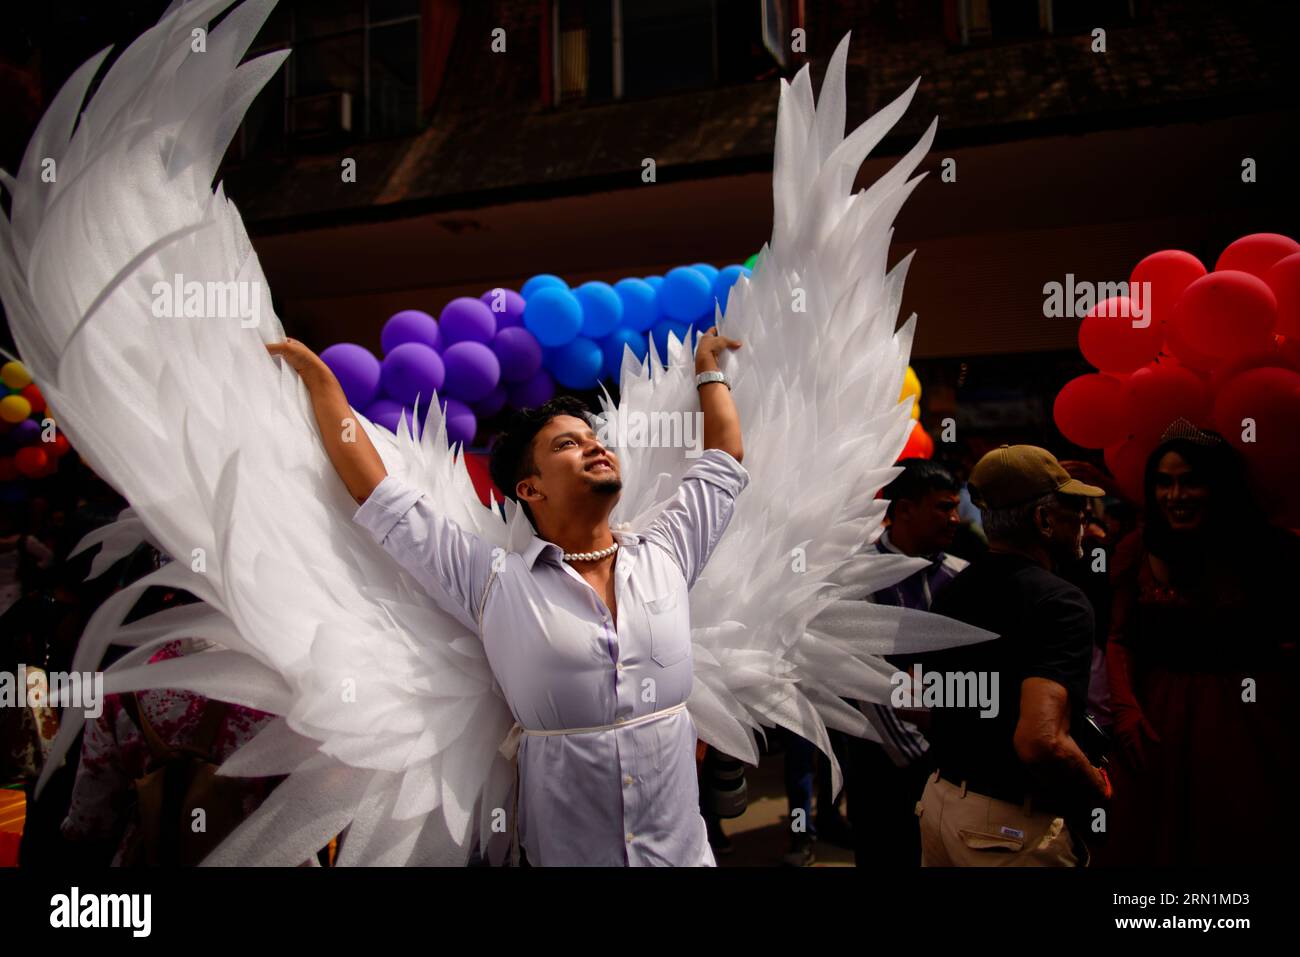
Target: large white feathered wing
pixel 779 637
pixel 389 717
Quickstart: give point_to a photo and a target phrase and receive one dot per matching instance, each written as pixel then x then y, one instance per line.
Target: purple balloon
pixel 472 370
pixel 466 320
pixel 490 404
pixel 357 371
pixel 385 412
pixel 411 370
pixel 409 325
pixel 506 305
pixel 518 352
pixel 532 392
pixel 461 423
pixel 26 432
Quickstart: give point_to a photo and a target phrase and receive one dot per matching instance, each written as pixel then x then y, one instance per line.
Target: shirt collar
pixel 536 547
pixel 887 544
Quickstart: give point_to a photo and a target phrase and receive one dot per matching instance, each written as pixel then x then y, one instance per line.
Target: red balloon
pixel 1089 411
pixel 1268 400
pixel 1226 315
pixel 1127 462
pixel 1176 346
pixel 33 395
pixel 1284 279
pixel 919 444
pixel 8 468
pixel 1159 394
pixel 1270 358
pixel 1169 272
pixel 60 446
pixel 1256 253
pixel 31 460
pixel 1114 338
pixel 1288 347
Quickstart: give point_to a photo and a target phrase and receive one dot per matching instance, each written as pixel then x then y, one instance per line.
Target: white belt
pixel 510 746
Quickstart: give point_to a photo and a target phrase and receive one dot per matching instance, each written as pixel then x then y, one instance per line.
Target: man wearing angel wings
pixel 587 629
pixel 397 714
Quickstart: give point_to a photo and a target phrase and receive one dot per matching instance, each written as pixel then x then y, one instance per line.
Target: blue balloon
pixel 685 294
pixel 602 309
pixel 710 272
pixel 660 333
pixel 726 279
pixel 613 348
pixel 577 365
pixel 543 280
pixel 640 305
pixel 554 316
pixel 655 282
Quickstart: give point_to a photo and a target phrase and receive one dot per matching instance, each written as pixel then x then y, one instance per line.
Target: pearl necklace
pixel 591 556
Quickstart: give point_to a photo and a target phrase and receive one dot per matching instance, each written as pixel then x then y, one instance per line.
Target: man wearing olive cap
pixel 1010 777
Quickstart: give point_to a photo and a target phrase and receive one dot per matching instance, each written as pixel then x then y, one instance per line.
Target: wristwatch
pixel 704 378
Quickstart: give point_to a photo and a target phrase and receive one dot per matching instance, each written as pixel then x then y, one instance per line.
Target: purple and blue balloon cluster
pixel 511 349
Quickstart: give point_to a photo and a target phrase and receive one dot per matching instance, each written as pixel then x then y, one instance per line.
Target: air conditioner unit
pixel 321 114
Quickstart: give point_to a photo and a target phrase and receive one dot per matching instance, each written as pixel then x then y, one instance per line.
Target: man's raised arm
pixel 349 447
pixel 721 420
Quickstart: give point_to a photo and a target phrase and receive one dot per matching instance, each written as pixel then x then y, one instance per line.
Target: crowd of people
pixel 1149 701
pixel 1146 684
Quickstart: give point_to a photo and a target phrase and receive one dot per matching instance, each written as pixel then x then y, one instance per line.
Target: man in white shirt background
pixel 587 629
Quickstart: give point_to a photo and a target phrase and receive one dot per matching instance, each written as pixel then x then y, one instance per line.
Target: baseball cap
pixel 1017 474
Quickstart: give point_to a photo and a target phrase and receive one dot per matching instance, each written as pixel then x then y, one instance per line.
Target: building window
pixel 354 73
pixel 615 49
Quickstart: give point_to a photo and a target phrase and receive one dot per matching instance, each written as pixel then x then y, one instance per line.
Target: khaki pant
pixel 960 828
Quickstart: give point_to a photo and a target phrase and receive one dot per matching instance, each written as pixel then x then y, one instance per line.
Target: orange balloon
pixel 919 444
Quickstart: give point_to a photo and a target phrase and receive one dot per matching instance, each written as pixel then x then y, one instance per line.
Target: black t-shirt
pixel 1045 629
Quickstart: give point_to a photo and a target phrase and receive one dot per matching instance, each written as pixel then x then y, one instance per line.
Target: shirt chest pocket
pixel 668 617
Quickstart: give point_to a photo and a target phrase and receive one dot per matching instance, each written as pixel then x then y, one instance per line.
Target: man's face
pixel 571 463
pixel 1066 519
pixel 930 522
pixel 1181 495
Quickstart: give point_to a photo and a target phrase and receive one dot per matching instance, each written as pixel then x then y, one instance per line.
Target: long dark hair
pixel 1233 519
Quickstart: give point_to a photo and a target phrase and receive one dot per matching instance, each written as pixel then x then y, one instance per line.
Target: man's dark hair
pixel 512 451
pixel 919 478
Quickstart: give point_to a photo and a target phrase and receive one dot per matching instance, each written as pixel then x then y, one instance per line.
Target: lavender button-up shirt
pixel 625 796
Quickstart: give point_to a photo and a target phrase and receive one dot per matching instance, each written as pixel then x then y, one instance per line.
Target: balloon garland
pixel 509 349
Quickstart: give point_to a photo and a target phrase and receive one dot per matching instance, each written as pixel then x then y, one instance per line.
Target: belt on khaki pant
pixel 976 785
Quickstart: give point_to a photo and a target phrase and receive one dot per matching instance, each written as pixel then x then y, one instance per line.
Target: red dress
pixel 1212 666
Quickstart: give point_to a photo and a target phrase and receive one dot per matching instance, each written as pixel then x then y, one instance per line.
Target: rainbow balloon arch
pixel 1218 348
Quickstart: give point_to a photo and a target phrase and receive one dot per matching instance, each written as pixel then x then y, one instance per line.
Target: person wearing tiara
pixel 1202 669
pixel 586 628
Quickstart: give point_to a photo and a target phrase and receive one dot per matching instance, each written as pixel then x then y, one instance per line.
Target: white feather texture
pixel 389 717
